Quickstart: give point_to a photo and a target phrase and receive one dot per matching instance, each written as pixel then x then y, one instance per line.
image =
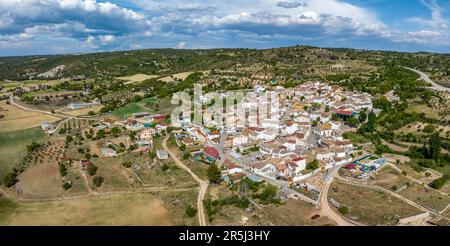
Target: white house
pixel 147 134
pixel 231 167
pixel 267 135
pixel 290 128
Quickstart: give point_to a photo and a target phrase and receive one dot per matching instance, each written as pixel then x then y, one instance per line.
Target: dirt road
pixel 203 184
pixel 325 208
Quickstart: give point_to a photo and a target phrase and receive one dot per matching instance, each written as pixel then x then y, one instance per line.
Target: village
pixel 296 151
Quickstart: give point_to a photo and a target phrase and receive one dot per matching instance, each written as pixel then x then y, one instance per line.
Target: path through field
pixel 203 184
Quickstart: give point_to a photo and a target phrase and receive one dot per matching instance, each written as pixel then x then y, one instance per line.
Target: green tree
pixel 115 132
pixel 362 117
pixel 429 128
pixel 33 146
pixel 434 147
pixel 62 170
pixel 92 169
pixel 344 210
pixel 127 164
pixel 191 211
pixel 67 185
pixel 10 179
pixel 186 156
pixel 69 139
pixel 313 165
pixel 440 182
pixel 98 181
pixel 213 174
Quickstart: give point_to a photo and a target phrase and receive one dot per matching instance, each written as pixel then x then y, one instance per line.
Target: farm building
pixel 47 126
pixel 162 154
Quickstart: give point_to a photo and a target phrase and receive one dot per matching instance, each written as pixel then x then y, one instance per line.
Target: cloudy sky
pixel 72 26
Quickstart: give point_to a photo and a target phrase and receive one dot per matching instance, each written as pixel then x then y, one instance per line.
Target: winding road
pixel 203 184
pixel 326 209
pixel 64 116
pixel 426 78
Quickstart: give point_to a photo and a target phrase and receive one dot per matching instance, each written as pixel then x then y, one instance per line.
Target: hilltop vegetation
pixel 300 62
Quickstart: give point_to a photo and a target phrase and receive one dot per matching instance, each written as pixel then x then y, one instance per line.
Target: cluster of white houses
pixel 305 131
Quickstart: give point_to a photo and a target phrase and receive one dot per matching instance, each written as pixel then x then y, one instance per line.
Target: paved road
pixel 203 184
pixel 427 79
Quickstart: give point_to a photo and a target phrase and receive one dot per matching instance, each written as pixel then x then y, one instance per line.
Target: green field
pixel 13 147
pixel 128 109
pixel 150 104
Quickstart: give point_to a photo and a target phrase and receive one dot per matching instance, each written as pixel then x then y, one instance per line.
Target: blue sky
pixel 74 26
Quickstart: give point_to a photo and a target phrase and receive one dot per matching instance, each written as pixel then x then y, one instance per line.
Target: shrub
pixel 344 210
pixel 67 185
pixel 92 169
pixel 191 211
pixel 127 164
pixel 62 170
pixel 313 165
pixel 10 179
pixel 98 181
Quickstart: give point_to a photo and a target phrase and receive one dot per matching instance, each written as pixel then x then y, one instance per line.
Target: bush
pixel 164 167
pixel 62 170
pixel 98 181
pixel 429 129
pixel 67 185
pixel 213 174
pixel 10 179
pixel 92 169
pixel 191 211
pixel 127 164
pixel 186 156
pixel 440 182
pixel 344 210
pixel 313 165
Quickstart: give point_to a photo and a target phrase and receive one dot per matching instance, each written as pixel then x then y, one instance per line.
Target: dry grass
pixel 17 119
pixel 128 209
pixel 178 76
pixel 371 207
pixel 421 108
pixel 293 213
pixel 41 181
pixel 426 197
pixel 137 78
pixel 116 177
pixel 84 111
pixel 390 179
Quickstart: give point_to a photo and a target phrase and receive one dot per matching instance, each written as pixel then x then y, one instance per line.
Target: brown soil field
pixel 41 181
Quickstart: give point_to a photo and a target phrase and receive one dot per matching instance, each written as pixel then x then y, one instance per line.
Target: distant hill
pixel 170 61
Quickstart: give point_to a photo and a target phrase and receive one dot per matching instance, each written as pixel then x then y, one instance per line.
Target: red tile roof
pixel 211 151
pixel 342 112
pixel 299 159
pixel 159 117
